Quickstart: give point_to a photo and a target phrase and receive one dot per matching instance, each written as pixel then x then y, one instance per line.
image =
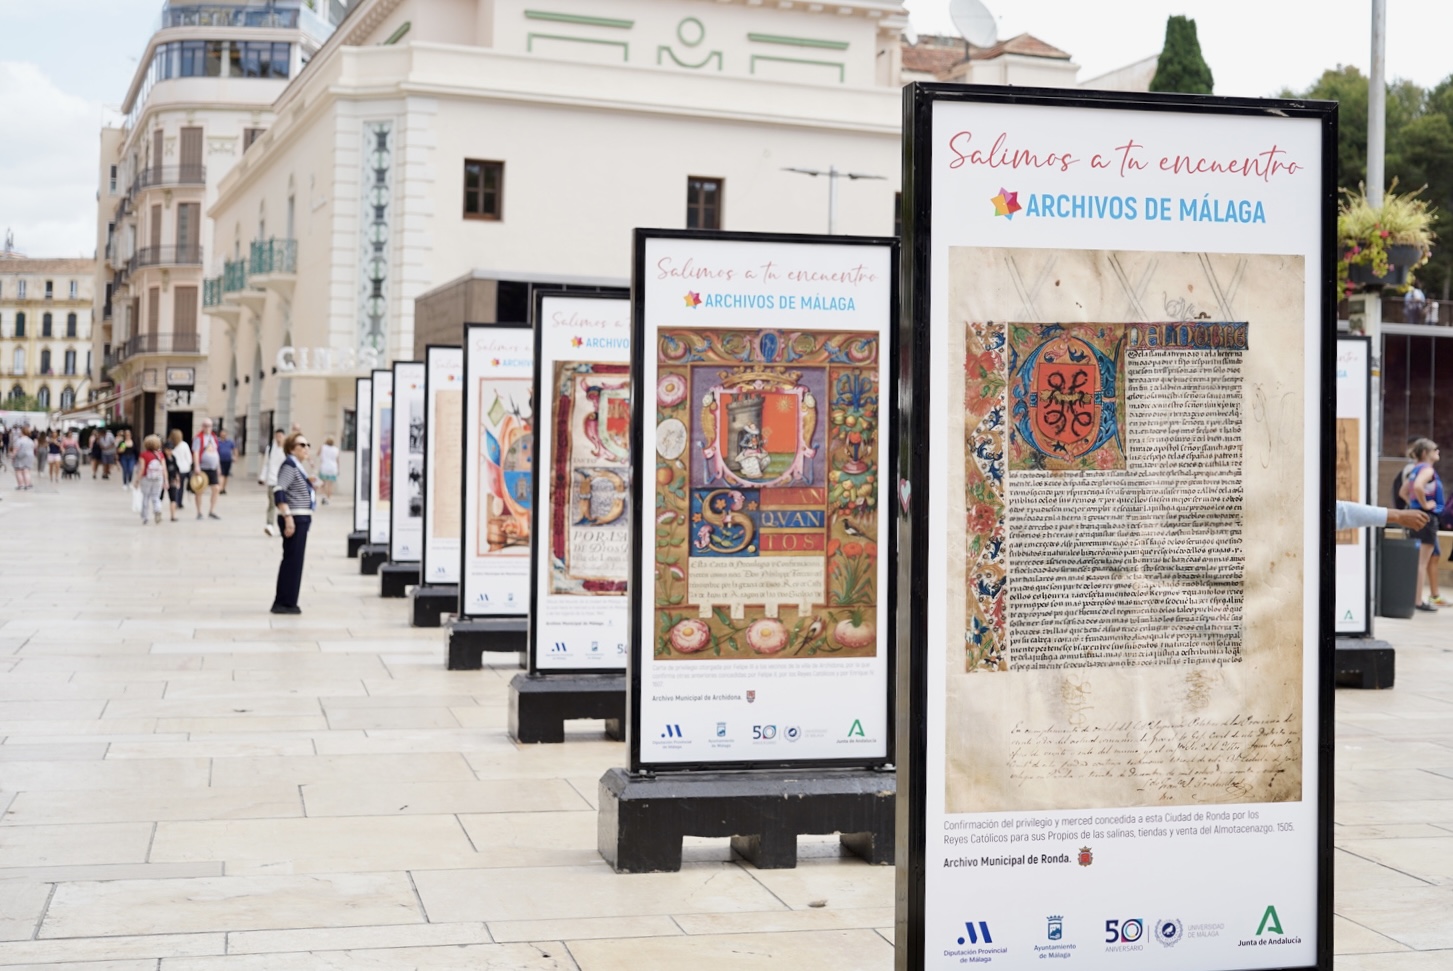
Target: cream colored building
pixel 201 94
pixel 45 331
pixel 434 140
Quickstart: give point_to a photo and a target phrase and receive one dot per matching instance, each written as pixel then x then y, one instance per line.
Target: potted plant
pixel 1380 245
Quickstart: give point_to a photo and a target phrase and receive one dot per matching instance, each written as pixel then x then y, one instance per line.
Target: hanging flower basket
pixel 1381 246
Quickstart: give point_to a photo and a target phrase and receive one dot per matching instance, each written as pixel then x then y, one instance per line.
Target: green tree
pixel 1181 67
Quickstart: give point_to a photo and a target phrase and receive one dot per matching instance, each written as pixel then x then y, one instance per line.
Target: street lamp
pixel 832 176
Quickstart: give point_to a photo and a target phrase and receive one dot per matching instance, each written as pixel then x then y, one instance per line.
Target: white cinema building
pixel 516 144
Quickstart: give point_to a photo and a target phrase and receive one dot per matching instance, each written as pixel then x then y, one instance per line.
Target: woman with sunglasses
pixel 295 502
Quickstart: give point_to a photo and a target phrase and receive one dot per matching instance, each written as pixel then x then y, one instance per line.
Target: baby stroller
pixel 71 463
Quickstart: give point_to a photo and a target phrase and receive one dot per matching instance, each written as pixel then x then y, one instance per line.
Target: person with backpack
pixel 181 464
pixel 151 478
pixel 1422 489
pixel 209 462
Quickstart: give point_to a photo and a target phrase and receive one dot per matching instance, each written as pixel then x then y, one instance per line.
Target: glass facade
pixel 213 59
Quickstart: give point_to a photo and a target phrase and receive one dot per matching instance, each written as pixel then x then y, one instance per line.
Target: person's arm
pixel 1419 489
pixel 280 498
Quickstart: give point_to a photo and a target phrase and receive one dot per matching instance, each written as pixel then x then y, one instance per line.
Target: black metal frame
pixel 373 442
pixel 358 403
pixel 393 471
pixel 1368 606
pixel 464 478
pixel 918 102
pixel 888 602
pixel 429 349
pixel 537 507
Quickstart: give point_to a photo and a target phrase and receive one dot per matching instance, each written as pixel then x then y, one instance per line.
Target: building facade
pixel 434 140
pixel 200 96
pixel 45 331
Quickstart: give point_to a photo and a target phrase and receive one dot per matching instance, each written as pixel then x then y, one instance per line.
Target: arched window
pixel 42 398
pixel 70 362
pixel 18 361
pixel 45 361
pixel 20 325
pixel 45 325
pixel 71 323
pixel 16 393
pixel 68 398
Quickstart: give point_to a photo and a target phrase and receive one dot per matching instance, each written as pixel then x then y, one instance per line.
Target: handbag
pixel 199 482
pixel 136 500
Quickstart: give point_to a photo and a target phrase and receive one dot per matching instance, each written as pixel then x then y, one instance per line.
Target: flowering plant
pixel 1366 232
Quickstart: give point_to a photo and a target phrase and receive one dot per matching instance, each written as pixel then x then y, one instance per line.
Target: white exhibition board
pixel 380 464
pixel 763 624
pixel 499 456
pixel 362 451
pixel 1353 468
pixel 406 529
pixel 1121 384
pixel 443 463
pixel 579 617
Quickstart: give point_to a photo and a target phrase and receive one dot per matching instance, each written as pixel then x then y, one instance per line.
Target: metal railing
pixel 227 15
pixel 159 175
pixel 165 256
pixel 182 343
pixel 212 292
pixel 234 276
pixel 273 256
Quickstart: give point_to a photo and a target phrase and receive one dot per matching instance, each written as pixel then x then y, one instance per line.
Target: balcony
pixel 238 290
pixel 227 15
pixel 169 175
pixel 274 265
pixel 166 256
pixel 159 344
pixel 234 276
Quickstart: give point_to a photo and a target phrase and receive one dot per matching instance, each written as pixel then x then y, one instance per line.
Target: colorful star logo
pixel 577 341
pixel 1006 203
pixel 494 362
pixel 693 299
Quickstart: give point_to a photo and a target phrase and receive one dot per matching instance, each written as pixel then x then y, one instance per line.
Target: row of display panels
pixel 1110 517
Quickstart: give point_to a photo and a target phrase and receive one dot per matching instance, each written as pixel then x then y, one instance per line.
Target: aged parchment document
pixel 1126 588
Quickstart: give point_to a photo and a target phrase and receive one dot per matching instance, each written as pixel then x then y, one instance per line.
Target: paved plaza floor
pixel 190 783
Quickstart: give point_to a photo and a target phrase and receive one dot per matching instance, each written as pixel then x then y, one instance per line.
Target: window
pixel 189 59
pixel 70 325
pixel 703 203
pixel 213 58
pixel 250 135
pixel 483 189
pixel 184 314
pixel 42 398
pixel 897 214
pixel 17 392
pixel 49 289
pixel 68 399
pixel 70 366
pixel 45 361
pixel 46 325
pixel 259 59
pixel 20 289
pixel 113 180
pixel 17 361
pixel 20 325
pixel 75 289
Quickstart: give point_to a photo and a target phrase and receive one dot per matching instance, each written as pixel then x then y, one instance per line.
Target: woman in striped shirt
pixel 294 500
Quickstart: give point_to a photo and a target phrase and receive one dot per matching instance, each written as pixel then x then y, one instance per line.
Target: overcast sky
pixel 63 61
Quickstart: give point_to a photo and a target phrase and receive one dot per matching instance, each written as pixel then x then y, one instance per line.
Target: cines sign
pixel 326 361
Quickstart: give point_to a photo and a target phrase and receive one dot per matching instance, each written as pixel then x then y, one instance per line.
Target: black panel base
pixel 1361 662
pixel 431 601
pixel 643 818
pixel 356 540
pixel 469 639
pixel 396 578
pixel 371 556
pixel 540 706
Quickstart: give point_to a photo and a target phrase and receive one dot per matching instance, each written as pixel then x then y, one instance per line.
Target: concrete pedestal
pixel 642 818
pixel 431 601
pixel 356 540
pixel 469 639
pixel 540 706
pixel 372 556
pixel 396 578
pixel 1361 662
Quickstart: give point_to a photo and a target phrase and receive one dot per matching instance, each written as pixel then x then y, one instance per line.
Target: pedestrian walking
pixel 328 468
pixel 153 479
pixel 225 449
pixel 294 500
pixel 1423 489
pixel 209 462
pixel 173 479
pixel 126 455
pixel 52 456
pixel 95 450
pixel 182 459
pixel 267 478
pixel 22 459
pixel 108 453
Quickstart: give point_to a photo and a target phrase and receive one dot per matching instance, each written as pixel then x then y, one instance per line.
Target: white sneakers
pixel 269 530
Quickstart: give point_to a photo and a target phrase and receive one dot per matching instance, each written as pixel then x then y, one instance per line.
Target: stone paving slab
pixel 189 783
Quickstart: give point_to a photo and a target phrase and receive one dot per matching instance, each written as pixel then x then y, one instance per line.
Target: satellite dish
pixel 974 22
